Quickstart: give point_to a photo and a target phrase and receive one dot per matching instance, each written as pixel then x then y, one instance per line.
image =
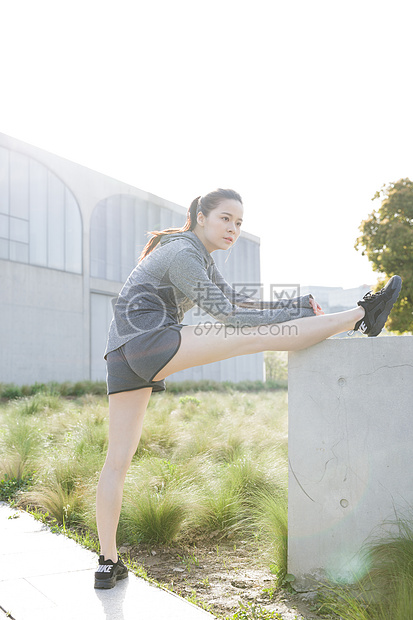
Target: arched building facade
pixel 69 237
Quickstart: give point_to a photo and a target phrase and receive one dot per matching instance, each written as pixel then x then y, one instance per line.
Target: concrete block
pixel 350 451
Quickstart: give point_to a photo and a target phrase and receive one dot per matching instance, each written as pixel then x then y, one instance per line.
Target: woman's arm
pixel 245 301
pixel 188 273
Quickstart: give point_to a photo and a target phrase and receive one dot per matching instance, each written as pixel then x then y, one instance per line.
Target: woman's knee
pixel 118 463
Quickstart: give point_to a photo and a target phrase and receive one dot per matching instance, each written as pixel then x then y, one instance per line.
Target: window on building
pixel 118 230
pixel 40 221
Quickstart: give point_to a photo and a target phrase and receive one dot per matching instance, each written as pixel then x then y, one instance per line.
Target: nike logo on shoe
pixel 104 568
pixel 363 327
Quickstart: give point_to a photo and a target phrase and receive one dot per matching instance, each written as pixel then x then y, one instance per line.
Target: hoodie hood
pixel 193 240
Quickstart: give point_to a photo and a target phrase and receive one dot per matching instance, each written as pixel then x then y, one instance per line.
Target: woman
pixel 147 341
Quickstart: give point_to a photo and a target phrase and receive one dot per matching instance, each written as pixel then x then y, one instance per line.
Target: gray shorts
pixel 136 363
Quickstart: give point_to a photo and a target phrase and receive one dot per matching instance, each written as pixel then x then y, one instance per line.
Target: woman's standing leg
pixel 126 414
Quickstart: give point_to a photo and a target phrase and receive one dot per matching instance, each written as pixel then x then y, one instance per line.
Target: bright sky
pixel 303 106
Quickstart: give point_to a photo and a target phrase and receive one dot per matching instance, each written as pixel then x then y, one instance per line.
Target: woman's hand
pixel 316 307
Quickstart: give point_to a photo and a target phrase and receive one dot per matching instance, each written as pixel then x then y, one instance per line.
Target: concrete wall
pixel 41 327
pixel 350 451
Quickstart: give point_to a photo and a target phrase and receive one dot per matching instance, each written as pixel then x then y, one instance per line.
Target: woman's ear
pixel 200 218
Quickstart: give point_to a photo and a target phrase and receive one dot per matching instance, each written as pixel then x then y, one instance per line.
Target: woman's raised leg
pixel 203 344
pixel 126 414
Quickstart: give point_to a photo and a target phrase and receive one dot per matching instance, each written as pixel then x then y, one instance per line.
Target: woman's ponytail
pixel 191 219
pixel 204 204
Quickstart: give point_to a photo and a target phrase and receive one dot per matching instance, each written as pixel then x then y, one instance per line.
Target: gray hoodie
pixel 179 274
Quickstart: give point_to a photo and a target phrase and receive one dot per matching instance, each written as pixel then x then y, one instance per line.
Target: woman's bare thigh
pixel 126 414
pixel 204 344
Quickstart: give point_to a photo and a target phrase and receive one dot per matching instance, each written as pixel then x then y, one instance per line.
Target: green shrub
pixel 69 389
pixel 38 402
pixel 65 504
pixel 249 478
pixel 175 387
pixel 10 391
pixel 152 517
pixel 91 438
pixel 271 517
pixel 219 509
pixel 189 399
pixel 9 487
pixel 386 592
pixel 20 446
pixel 61 488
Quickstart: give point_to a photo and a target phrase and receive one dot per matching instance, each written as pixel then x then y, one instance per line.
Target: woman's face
pixel 222 227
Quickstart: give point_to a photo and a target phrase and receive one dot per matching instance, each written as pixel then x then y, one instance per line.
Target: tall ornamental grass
pixel 386 592
pixel 209 464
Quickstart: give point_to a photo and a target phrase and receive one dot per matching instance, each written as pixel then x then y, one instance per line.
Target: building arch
pixel 118 228
pixel 40 219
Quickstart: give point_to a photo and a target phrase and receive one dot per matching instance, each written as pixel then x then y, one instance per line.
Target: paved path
pixel 50 577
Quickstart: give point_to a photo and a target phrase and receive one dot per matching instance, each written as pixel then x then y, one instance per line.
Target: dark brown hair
pixel 204 204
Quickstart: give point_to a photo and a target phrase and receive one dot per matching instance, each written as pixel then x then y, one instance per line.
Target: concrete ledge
pixel 350 451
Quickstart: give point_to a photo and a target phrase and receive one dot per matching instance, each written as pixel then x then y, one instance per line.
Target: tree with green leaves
pixel 387 241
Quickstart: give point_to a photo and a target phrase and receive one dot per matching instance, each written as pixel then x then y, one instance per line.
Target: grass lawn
pixel 205 502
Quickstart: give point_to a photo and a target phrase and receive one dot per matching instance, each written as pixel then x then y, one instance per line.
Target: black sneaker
pixel 377 307
pixel 109 572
